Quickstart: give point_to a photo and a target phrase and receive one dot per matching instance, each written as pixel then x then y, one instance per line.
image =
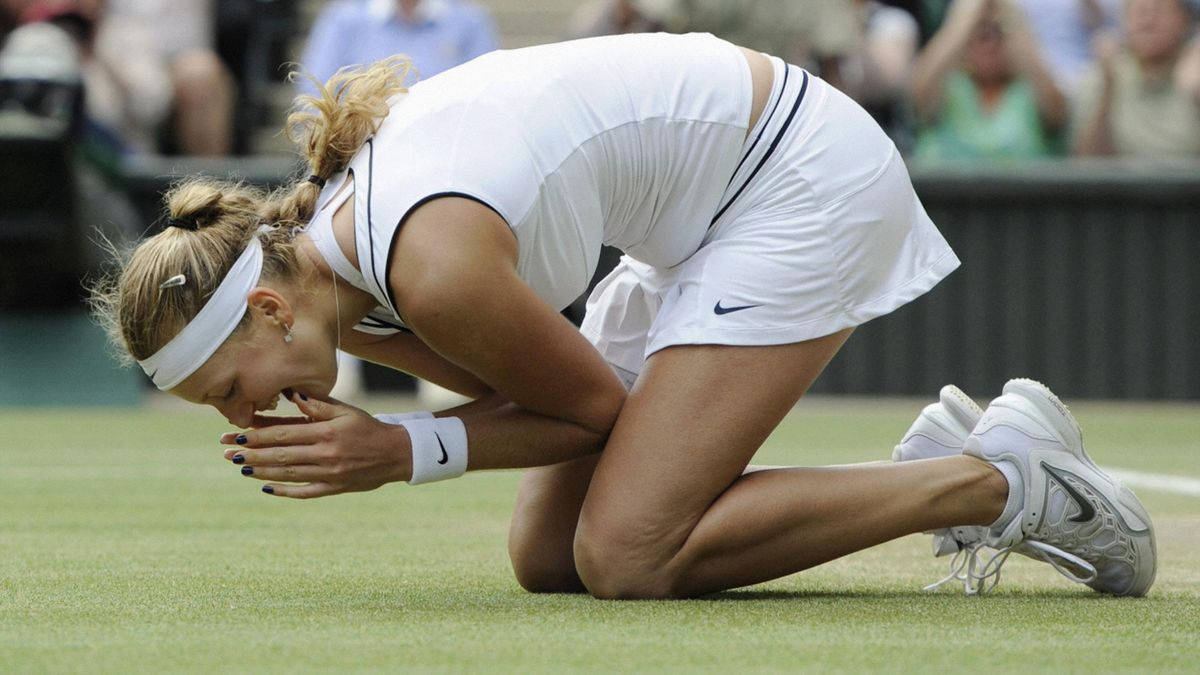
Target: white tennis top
pixel 629 141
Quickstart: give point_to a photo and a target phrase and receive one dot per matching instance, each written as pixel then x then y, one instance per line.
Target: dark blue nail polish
pixel 303 397
pixel 238 459
pixel 240 440
pixel 268 489
pixel 247 470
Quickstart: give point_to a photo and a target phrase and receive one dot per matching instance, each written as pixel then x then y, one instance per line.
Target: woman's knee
pixel 539 565
pixel 619 564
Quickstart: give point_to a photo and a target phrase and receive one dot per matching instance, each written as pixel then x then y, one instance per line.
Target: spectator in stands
pixel 130 100
pixel 435 34
pixel 127 99
pixel 202 89
pixel 1065 31
pixel 980 89
pixel 876 73
pixel 1143 97
pixel 815 34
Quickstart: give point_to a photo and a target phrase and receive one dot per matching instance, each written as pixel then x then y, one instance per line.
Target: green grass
pixel 126 543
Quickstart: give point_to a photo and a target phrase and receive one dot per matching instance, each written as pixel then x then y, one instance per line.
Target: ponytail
pixel 331 126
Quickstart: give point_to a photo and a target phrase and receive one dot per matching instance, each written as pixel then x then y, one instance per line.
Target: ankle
pixel 993 494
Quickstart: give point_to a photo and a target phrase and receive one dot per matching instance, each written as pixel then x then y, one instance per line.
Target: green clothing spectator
pixel 1011 129
pixel 981 90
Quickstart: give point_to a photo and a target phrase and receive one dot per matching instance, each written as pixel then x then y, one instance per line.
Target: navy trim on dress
pixel 770 150
pixel 370 222
pixel 763 125
pixel 419 203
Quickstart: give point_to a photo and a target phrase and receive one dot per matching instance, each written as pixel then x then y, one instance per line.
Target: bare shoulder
pixel 448 241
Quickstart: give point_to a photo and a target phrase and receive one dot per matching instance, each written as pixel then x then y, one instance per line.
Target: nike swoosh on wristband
pixel 445 458
pixel 1086 510
pixel 718 309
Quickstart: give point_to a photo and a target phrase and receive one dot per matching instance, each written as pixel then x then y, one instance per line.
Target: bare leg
pixel 541 538
pixel 830 512
pixel 668 513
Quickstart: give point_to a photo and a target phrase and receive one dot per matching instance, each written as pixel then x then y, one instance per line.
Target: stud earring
pixel 287 337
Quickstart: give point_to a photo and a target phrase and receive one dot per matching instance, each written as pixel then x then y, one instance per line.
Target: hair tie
pixel 188 224
pixel 317 180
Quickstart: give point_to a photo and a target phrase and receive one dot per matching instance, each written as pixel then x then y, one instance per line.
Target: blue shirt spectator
pixel 1065 30
pixel 436 34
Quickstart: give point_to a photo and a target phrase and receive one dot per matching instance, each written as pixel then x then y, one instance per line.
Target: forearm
pixel 423 449
pixel 1095 139
pixel 1052 105
pixel 509 437
pixel 931 68
pixel 502 435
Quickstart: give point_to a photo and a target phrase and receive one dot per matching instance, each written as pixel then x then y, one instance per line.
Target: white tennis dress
pixel 804 226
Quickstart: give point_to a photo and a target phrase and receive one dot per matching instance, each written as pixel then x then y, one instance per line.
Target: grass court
pixel 128 544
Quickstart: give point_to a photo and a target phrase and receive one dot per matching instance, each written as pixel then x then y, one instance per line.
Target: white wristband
pixel 397 418
pixel 439 448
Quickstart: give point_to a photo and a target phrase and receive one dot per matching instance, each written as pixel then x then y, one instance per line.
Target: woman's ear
pixel 271 305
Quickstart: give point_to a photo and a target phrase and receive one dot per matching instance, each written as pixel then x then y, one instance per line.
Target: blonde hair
pixel 329 128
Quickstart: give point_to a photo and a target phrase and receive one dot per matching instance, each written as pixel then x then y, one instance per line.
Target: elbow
pixel 605 406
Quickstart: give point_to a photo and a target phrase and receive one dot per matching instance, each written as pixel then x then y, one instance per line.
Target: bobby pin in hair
pixel 177 280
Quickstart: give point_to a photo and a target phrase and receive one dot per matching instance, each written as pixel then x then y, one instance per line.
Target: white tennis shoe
pixel 940 431
pixel 1074 516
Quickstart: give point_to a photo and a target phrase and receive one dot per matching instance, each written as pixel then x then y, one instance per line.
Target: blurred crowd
pixel 947 79
pixel 975 79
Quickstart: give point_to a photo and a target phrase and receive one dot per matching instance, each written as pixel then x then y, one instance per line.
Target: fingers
pixel 275 456
pixel 303 433
pixel 306 491
pixel 320 410
pixel 291 473
pixel 263 421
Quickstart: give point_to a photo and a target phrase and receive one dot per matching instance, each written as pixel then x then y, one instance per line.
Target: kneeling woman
pixel 762 215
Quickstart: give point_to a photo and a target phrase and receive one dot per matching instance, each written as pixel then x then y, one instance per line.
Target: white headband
pixel 188 350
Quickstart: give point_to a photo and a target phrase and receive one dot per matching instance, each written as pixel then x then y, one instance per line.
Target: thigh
pixel 690 426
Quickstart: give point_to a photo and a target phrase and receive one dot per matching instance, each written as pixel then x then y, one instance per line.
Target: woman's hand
pixel 335 448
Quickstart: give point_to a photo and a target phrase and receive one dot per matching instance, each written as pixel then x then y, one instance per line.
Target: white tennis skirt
pixel 819 230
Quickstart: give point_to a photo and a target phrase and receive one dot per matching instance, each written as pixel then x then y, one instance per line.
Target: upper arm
pixel 452 272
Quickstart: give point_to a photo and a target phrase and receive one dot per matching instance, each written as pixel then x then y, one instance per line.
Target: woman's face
pixel 1157 28
pixel 255 366
pixel 987 53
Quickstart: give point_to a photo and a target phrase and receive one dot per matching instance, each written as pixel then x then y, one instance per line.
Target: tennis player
pixel 762 214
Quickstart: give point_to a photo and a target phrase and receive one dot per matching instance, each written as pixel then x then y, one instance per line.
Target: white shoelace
pixel 978 579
